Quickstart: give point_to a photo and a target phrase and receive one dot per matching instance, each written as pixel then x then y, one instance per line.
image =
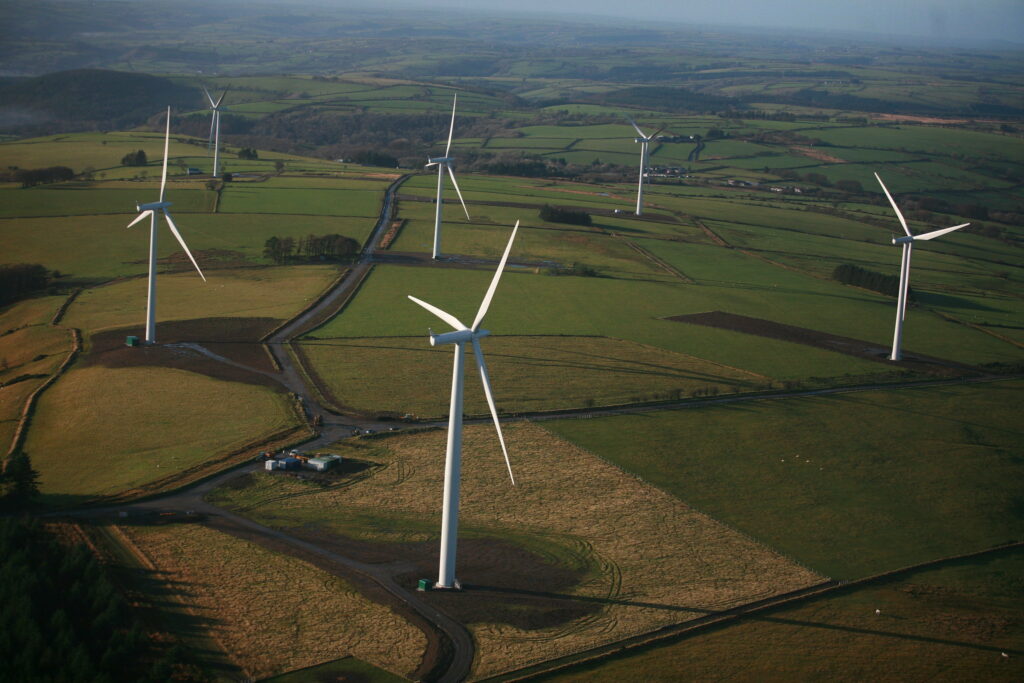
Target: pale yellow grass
pixel 242 293
pixel 100 431
pixel 274 613
pixel 661 562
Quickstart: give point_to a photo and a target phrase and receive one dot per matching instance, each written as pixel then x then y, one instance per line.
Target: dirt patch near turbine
pixel 235 339
pixel 822 340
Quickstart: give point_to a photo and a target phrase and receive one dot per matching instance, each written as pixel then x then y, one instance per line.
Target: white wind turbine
pixel 453 457
pixel 215 128
pixel 150 211
pixel 443 163
pixel 644 141
pixel 908 246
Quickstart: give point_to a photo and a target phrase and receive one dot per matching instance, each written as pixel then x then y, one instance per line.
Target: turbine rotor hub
pixel 456 337
pixel 152 206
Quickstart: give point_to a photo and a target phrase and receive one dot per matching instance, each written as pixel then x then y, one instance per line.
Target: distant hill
pixel 87 99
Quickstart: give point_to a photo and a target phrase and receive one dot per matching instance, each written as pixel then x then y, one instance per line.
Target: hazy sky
pixel 958 21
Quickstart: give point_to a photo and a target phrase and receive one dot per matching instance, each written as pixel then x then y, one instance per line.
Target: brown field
pixel 817 154
pixel 271 612
pixel 236 339
pixel 546 574
pixel 404 374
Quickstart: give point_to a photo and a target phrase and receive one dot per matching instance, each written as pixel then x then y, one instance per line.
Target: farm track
pixel 451 654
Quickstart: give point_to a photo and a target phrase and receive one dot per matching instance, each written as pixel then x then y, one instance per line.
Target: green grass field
pixel 406 375
pixel 277 293
pixel 142 424
pixel 850 485
pixel 625 309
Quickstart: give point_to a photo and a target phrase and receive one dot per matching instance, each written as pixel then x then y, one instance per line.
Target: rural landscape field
pixel 749 411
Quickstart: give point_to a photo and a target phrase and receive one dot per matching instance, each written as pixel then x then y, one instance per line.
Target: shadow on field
pixel 939 300
pixel 474 592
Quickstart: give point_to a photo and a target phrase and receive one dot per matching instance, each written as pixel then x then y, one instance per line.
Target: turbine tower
pixel 453 457
pixel 644 141
pixel 149 210
pixel 908 246
pixel 215 129
pixel 443 163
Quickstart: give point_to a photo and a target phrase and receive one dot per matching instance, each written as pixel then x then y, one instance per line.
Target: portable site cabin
pixel 289 463
pixel 322 463
pixel 270 465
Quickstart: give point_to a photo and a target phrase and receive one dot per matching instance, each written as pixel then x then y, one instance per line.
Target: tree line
pixel 63 618
pixel 850 274
pixel 335 247
pixel 555 214
pixel 20 280
pixel 30 177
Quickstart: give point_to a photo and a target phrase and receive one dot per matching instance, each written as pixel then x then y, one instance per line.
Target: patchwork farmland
pixel 713 453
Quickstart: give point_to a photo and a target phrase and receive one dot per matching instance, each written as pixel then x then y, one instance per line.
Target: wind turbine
pixel 215 128
pixel 908 246
pixel 443 163
pixel 644 141
pixel 150 211
pixel 453 455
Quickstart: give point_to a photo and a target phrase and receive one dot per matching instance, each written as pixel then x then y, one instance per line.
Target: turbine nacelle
pixel 456 337
pixel 152 206
pixel 434 161
pixel 903 239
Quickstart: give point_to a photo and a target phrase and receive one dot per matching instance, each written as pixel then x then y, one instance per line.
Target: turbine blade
pixel 144 214
pixel 655 134
pixel 208 96
pixel 486 303
pixel 167 145
pixel 482 368
pixel 451 174
pixel 181 241
pixel 892 201
pixel 447 317
pixel 935 233
pixel 222 97
pixel 213 122
pixel 639 132
pixel 451 128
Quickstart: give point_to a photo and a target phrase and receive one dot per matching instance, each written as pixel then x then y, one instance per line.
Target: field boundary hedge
pixel 30 403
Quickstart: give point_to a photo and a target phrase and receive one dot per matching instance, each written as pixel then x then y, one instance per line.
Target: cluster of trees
pixel 310 248
pixel 30 177
pixel 248 153
pixel 63 619
pixel 555 214
pixel 850 274
pixel 578 269
pixel 19 280
pixel 136 158
pixel 18 484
